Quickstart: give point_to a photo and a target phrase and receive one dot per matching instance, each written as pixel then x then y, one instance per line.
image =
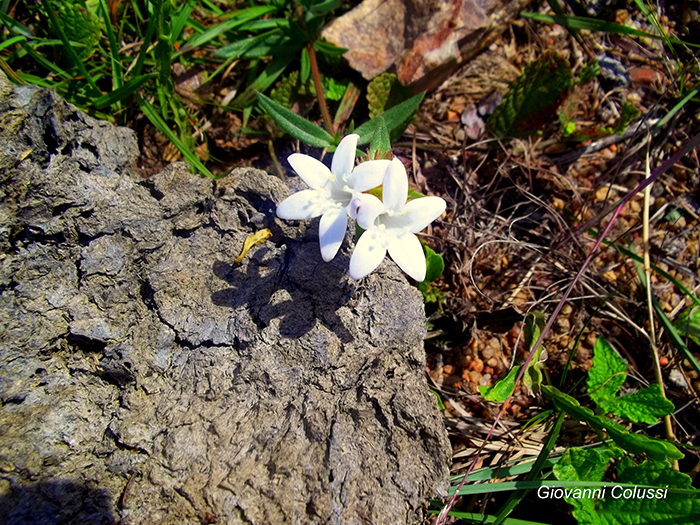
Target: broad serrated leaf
pixel 665 507
pixel 688 324
pixel 434 263
pixel 502 389
pixel 579 464
pixel 380 147
pixel 585 464
pixel 607 374
pixel 295 125
pixel 645 406
pixel 532 100
pixel 632 443
pixel 81 25
pixel 396 119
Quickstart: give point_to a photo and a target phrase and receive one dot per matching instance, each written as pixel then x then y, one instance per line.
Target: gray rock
pixel 146 378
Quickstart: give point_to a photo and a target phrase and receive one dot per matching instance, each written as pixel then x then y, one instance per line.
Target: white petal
pixel 365 209
pixel 407 252
pixel 331 232
pixel 344 157
pixel 369 174
pixel 302 205
pixel 395 189
pixel 421 212
pixel 312 171
pixel 369 253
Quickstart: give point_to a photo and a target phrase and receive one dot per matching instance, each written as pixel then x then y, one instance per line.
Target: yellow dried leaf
pixel 258 237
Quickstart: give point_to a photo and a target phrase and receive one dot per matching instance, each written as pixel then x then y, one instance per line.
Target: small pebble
pixel 477 365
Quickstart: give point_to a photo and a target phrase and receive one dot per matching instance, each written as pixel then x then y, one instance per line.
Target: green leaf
pixel 688 324
pixel 435 265
pixel 593 24
pixel 155 119
pixel 669 508
pixel 295 125
pixel 397 118
pixel 579 464
pixel 588 72
pixel 532 100
pixel 441 405
pixel 585 464
pixel 263 81
pixel 502 389
pixel 332 89
pixel 645 406
pixel 81 25
pixel 380 147
pixel 675 337
pixel 532 378
pixel 605 379
pixel 121 93
pixel 305 65
pixel 632 443
pixel 627 114
pixel 329 49
pixel 238 19
pixel 72 54
pixel 665 506
pixel 607 374
pixel 383 93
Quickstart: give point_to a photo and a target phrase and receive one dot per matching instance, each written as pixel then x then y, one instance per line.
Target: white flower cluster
pixel 390 224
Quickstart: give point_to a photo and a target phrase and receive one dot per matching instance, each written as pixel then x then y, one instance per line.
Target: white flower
pixel 391 225
pixel 331 191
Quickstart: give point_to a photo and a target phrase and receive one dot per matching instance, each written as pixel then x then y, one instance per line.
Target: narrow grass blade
pixel 676 338
pixel 117 71
pixel 394 118
pixel 239 19
pixel 263 81
pixel 181 20
pixel 147 39
pixel 155 119
pixel 39 58
pixel 638 259
pixel 675 109
pixel 518 496
pixel 12 25
pixel 295 125
pixel 593 24
pixel 506 486
pixel 11 73
pixel 490 473
pixel 77 62
pixel 11 41
pixel 486 519
pixel 123 92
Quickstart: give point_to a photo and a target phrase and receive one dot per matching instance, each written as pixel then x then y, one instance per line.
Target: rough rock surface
pixel 423 40
pixel 146 378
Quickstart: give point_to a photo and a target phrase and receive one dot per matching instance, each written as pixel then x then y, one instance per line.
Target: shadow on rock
pixel 56 503
pixel 304 290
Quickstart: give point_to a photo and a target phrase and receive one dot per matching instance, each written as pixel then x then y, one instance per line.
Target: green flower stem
pixel 327 121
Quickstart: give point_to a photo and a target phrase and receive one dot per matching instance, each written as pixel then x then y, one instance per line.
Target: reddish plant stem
pixel 319 89
pixel 689 146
